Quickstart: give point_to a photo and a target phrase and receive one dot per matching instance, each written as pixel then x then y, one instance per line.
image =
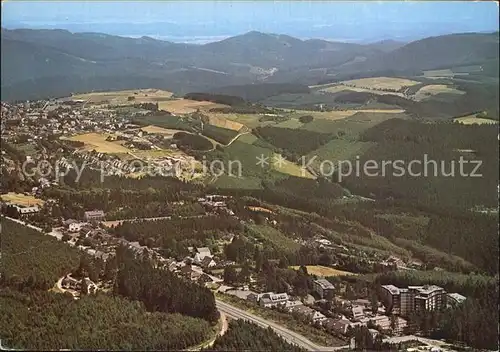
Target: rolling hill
pixel 43 63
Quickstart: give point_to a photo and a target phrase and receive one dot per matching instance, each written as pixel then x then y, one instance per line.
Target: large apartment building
pixel 403 301
pixel 322 287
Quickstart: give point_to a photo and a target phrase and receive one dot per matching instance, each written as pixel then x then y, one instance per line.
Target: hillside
pixel 33 60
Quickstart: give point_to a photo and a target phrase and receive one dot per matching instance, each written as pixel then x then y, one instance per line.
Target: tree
pixel 306 118
pixel 230 275
pixel 374 302
pixel 259 259
pixel 394 323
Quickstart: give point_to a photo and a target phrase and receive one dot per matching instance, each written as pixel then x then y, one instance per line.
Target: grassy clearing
pixel 98 142
pixel 248 138
pixel 439 73
pixel 338 87
pixel 292 123
pixel 21 199
pixel 378 83
pixel 249 120
pixel 122 97
pixel 247 154
pixel 186 106
pixel 160 130
pixel 473 119
pixel 169 122
pixel 324 271
pixel 266 233
pixel 339 150
pixel 352 125
pixel 290 168
pixel 433 89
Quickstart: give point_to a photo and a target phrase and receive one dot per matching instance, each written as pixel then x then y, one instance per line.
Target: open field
pixel 249 120
pixel 379 83
pixel 160 130
pixel 121 97
pixel 220 120
pixel 351 125
pixel 339 87
pixel 343 114
pixel 472 119
pixel 186 106
pixel 270 234
pixel 434 89
pixel 289 168
pixel 338 150
pixel 292 123
pixel 21 199
pixel 98 142
pixel 248 138
pixel 324 271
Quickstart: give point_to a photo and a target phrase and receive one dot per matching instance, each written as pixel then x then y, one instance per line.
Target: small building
pixel 94 215
pixel 357 312
pixel 27 210
pixel 201 253
pixel 316 316
pixel 76 226
pixel 271 299
pixel 88 286
pixel 208 262
pixel 454 299
pixel 322 287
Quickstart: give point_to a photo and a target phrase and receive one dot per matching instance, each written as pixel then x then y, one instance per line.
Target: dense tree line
pixel 246 336
pixel 174 236
pixel 438 180
pixel 216 98
pixel 242 109
pixel 221 135
pixel 33 260
pixel 188 141
pixel 160 290
pixel 151 196
pixel 294 142
pixel 42 320
pixel 261 91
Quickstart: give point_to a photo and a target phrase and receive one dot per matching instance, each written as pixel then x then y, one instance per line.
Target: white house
pixel 76 226
pixel 201 253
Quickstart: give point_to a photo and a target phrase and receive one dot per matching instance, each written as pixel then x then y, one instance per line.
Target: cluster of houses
pixel 78 286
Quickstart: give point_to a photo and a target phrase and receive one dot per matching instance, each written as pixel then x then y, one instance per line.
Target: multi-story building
pixel 94 215
pixel 403 301
pixel 322 287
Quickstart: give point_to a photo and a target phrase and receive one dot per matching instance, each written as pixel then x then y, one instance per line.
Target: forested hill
pixel 48 63
pixel 245 336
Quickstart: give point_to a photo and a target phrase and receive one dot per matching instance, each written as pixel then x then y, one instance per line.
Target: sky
pixel 192 21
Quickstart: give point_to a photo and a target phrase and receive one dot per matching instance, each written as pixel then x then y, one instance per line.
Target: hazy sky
pixel 211 18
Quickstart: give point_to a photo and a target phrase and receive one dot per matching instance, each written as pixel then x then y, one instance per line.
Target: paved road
pixel 288 335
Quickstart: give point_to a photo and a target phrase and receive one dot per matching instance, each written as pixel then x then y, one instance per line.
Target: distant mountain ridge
pixel 74 62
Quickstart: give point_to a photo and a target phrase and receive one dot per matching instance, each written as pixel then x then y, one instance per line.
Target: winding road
pixel 288 335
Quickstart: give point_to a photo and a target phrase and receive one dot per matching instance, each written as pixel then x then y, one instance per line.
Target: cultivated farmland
pixel 128 97
pixel 434 89
pixel 381 83
pixel 98 142
pixel 186 106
